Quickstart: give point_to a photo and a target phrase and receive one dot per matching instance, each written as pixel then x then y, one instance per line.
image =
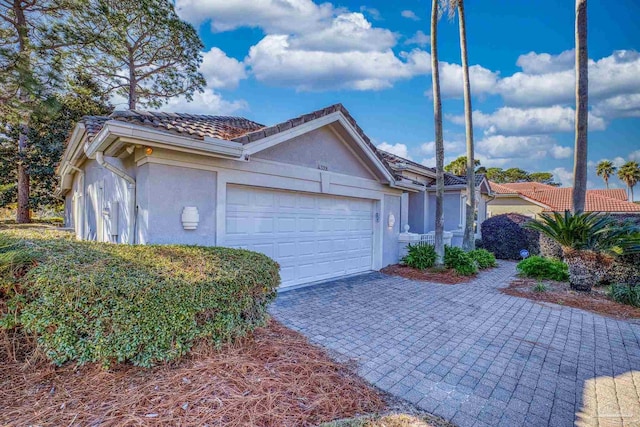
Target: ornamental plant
pixel 420 256
pixel 590 243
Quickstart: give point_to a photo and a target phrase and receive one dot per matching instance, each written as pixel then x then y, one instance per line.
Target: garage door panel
pixel 313 237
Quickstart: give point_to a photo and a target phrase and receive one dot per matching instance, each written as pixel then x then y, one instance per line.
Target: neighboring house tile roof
pixel 559 199
pixel 193 125
pixel 516 187
pixel 614 193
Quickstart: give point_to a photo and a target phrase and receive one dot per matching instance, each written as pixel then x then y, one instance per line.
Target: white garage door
pixel 313 237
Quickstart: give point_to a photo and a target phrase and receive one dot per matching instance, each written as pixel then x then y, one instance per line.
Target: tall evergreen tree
pixel 143 51
pixel 47 133
pixel 33 35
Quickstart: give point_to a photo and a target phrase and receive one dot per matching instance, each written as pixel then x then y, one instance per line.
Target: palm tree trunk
pixel 469 240
pixel 439 142
pixel 582 101
pixel 606 181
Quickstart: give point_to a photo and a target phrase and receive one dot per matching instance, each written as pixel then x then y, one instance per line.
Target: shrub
pixel 625 294
pixel 483 258
pixel 105 303
pixel 625 269
pixel 420 256
pixel 549 248
pixel 505 236
pixel 459 260
pixel 538 267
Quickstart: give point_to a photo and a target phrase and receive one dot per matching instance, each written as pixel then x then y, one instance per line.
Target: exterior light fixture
pixel 148 151
pixel 391 220
pixel 190 218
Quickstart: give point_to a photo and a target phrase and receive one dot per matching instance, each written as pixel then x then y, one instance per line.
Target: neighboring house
pixel 312 192
pixel 532 199
pixel 422 205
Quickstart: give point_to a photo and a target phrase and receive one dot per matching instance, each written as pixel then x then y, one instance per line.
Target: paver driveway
pixel 474 355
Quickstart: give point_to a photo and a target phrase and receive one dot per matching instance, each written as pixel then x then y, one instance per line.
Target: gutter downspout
pixel 132 191
pixel 84 201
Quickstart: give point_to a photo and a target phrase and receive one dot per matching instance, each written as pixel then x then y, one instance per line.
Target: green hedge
pixel 538 267
pixel 106 303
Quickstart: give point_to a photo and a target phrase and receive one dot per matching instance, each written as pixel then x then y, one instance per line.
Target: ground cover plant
pixel 104 303
pixel 483 258
pixel 420 256
pixel 538 267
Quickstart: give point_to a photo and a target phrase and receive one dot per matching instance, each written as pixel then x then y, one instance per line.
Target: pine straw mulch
pixel 275 378
pixel 596 301
pixel 433 275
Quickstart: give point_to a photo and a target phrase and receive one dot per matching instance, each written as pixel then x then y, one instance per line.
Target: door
pixel 312 236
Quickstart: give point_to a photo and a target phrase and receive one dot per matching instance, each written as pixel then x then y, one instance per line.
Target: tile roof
pixel 516 187
pixel 396 162
pixel 192 125
pixel 559 199
pixel 614 193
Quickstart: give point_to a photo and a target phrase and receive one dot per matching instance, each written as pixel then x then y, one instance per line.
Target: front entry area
pixel 312 236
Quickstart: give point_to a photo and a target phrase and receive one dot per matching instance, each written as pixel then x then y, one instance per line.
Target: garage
pixel 312 236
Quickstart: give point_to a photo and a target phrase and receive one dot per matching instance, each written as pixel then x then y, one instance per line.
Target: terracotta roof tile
pixel 559 199
pixel 193 125
pixel 614 193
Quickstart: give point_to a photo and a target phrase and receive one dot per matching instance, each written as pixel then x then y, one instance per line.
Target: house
pixel 312 192
pixel 533 198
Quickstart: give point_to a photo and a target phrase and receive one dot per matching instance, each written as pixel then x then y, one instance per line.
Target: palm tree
pixel 582 101
pixel 606 169
pixel 629 173
pixel 439 140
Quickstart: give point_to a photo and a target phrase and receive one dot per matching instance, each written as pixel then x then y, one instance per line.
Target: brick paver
pixel 473 355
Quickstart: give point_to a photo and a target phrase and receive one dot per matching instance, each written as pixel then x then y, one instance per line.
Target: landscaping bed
pixel 596 301
pixel 273 377
pixel 434 275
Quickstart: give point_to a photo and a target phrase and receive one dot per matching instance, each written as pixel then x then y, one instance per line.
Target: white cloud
pixel 208 102
pixel 524 147
pixel 543 63
pixel 348 32
pixel 419 38
pixel 371 12
pixel 550 82
pixel 273 60
pixel 273 16
pixel 634 156
pixel 429 148
pixel 564 176
pixel 483 80
pixel 619 106
pixel 560 152
pixel 528 121
pixel 397 149
pixel 410 14
pixel 221 71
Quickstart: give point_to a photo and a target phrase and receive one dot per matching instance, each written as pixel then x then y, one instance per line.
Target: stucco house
pixel 533 198
pixel 312 192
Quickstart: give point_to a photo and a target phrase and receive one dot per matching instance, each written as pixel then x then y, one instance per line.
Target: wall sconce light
pixel 190 218
pixel 391 220
pixel 148 151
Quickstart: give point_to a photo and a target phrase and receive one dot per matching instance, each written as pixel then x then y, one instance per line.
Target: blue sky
pixel 270 60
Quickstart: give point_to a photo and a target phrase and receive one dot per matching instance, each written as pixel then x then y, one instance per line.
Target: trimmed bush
pixel 505 236
pixel 625 294
pixel 625 269
pixel 460 261
pixel 106 303
pixel 538 267
pixel 549 248
pixel 483 258
pixel 420 256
